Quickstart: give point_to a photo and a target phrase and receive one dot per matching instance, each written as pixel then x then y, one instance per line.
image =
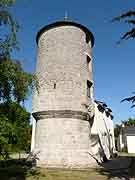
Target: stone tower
pixel 63 107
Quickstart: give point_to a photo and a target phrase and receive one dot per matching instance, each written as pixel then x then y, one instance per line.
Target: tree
pixel 128 18
pixel 8 42
pixel 15 128
pixel 129 122
pixel 14 81
pixel 5 134
pixel 130 99
pixel 117 130
pixel 15 85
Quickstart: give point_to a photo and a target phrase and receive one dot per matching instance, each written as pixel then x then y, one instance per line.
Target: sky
pixel 113 65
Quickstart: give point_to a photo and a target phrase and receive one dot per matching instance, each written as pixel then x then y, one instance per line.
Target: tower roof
pixel 65 22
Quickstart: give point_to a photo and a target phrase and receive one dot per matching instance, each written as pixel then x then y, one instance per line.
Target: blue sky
pixel 113 65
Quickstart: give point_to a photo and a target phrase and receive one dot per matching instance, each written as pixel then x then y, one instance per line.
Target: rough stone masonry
pixel 64 106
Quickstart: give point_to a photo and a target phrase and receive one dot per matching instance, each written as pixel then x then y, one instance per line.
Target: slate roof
pixel 129 130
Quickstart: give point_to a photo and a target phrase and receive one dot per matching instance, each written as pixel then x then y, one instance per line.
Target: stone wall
pixel 63 142
pixel 62 70
pixel 62 122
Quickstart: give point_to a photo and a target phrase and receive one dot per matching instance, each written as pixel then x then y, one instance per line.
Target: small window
pixel 88 59
pixel 87 38
pixel 54 86
pixel 89 84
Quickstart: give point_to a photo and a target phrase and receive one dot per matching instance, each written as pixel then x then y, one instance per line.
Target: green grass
pixel 126 154
pixel 60 174
pixel 18 170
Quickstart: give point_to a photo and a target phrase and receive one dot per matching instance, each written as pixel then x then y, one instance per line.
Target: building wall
pixel 62 127
pixel 62 62
pixel 102 135
pixel 130 143
pixel 63 143
pixel 64 131
pixel 125 142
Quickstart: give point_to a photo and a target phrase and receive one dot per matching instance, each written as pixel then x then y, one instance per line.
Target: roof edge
pixel 65 23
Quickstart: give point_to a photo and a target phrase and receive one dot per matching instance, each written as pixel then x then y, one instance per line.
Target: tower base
pixel 65 159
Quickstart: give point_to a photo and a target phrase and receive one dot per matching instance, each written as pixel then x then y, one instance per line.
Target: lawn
pixel 126 154
pixel 59 174
pixel 14 170
pixel 20 170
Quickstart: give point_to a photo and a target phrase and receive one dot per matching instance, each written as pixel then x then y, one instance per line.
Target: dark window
pixel 87 38
pixel 89 84
pixel 88 59
pixel 54 85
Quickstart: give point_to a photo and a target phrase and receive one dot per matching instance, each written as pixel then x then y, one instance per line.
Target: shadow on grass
pixel 120 167
pixel 15 169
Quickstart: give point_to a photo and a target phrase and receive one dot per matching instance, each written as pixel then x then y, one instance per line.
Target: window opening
pixel 89 84
pixel 87 38
pixel 88 59
pixel 54 86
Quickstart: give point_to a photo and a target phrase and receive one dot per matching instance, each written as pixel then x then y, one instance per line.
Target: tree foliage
pixel 15 129
pixel 129 122
pixel 15 86
pixel 128 18
pixel 117 129
pixel 15 83
pixel 5 135
pixel 130 99
pixel 8 42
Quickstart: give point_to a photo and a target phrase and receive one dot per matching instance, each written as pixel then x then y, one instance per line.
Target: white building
pixel 126 139
pixel 102 133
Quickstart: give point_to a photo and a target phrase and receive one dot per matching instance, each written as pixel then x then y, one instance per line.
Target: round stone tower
pixel 62 109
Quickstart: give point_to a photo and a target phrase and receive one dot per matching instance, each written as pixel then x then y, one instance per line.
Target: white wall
pixel 103 129
pixel 131 144
pixel 33 134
